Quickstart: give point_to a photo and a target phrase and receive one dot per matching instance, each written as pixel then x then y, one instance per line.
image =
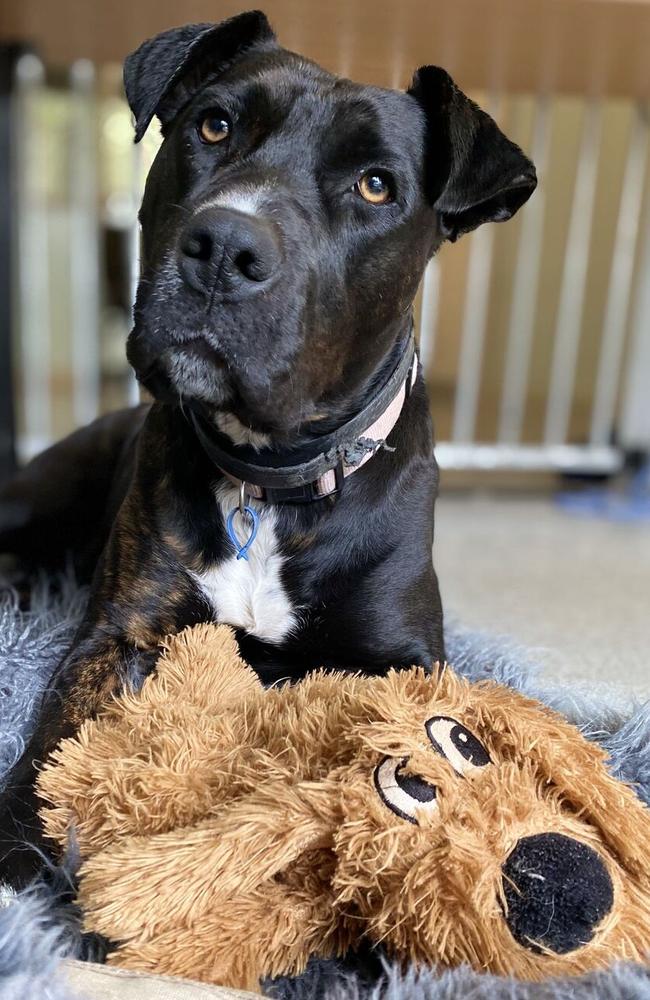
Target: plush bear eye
pixel 405 794
pixel 456 744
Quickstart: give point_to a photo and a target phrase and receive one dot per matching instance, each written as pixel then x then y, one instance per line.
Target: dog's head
pixel 480 827
pixel 288 218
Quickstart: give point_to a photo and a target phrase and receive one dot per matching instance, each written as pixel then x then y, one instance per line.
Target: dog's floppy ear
pixel 474 173
pixel 153 70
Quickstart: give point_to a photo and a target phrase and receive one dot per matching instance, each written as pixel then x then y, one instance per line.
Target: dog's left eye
pixel 214 127
pixel 456 744
pixel 375 187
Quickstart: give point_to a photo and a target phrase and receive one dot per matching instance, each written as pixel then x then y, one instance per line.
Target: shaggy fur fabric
pixel 30 948
pixel 31 644
pixel 322 979
pixel 35 930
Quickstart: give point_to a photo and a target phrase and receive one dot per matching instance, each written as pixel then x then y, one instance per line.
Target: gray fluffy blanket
pixel 36 929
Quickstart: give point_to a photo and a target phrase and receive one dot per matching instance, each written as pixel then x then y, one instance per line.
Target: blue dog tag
pixel 242 550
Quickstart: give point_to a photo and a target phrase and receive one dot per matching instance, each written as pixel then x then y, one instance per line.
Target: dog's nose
pixel 228 251
pixel 557 891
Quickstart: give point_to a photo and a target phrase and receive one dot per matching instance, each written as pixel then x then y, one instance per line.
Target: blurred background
pixel 534 336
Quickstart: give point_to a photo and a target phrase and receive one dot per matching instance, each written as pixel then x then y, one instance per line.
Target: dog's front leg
pixel 82 683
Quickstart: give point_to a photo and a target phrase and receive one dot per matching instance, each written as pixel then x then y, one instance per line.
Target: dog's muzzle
pixel 557 892
pixel 222 250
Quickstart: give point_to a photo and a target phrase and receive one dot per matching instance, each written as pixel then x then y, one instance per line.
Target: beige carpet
pixel 576 589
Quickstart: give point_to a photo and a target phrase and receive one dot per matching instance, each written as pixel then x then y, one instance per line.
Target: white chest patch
pixel 248 593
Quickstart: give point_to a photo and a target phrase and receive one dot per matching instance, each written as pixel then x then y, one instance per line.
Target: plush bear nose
pixel 557 891
pixel 228 251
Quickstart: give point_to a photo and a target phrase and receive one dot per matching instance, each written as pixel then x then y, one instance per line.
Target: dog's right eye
pixel 214 127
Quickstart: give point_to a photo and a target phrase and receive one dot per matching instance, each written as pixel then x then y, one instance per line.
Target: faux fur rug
pixel 36 930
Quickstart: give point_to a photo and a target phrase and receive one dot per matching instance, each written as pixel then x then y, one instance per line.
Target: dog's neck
pixel 239 434
pixel 336 411
pixel 348 404
pixel 316 469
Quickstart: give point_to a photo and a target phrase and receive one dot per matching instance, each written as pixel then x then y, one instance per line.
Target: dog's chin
pixel 184 375
pixel 193 375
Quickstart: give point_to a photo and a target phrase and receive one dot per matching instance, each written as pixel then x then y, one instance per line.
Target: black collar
pixel 317 469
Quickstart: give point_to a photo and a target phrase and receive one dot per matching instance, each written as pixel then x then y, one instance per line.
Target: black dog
pixel 286 223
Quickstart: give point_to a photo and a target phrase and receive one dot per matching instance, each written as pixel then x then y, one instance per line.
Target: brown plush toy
pixel 230 832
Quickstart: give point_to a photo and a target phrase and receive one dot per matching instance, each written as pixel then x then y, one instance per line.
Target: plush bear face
pixel 479 828
pixel 453 822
